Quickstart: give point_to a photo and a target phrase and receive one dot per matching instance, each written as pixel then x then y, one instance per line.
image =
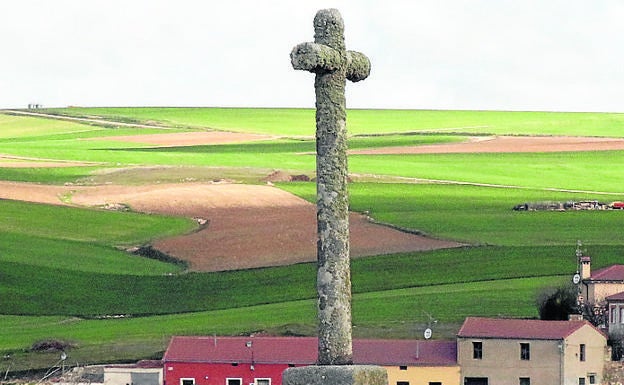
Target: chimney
pixel 585 267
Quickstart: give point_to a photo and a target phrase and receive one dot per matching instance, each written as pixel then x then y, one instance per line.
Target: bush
pixel 51 345
pixel 557 303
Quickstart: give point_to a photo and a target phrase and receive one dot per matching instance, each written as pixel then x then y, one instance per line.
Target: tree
pixel 557 303
pixel 595 313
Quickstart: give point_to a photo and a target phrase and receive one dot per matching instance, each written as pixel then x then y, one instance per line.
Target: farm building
pixel 514 351
pixel 261 360
pixel 141 373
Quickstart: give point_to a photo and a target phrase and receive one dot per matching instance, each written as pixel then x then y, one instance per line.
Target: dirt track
pixel 188 138
pixel 506 144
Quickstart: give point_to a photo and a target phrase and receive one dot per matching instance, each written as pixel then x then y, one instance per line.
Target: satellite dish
pixel 576 278
pixel 427 333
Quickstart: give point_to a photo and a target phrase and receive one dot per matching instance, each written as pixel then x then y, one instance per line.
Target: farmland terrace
pixel 432 223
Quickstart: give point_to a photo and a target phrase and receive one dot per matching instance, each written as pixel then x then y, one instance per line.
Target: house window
pixel 402 383
pixel 435 383
pixel 477 350
pixel 582 352
pixel 187 381
pixel 403 367
pixel 622 315
pixel 525 381
pixel 525 352
pixel 613 315
pixel 233 381
pixel 581 381
pixel 592 378
pixel 263 381
pixel 476 381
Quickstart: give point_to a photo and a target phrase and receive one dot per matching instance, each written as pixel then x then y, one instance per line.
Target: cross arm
pixel 315 57
pixel 358 66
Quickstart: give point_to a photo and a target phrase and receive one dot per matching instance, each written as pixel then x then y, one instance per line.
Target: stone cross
pixel 328 58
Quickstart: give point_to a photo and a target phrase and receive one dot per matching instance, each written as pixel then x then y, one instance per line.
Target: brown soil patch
pixel 31 192
pixel 268 236
pixel 247 226
pixel 506 144
pixel 7 161
pixel 188 138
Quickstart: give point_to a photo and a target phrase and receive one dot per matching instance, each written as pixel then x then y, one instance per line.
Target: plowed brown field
pixel 247 225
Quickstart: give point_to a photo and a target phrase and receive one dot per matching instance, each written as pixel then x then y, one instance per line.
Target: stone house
pixel 604 288
pixel 515 351
pixel 597 285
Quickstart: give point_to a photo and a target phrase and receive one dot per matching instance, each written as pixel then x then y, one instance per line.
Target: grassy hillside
pixel 481 215
pixel 61 275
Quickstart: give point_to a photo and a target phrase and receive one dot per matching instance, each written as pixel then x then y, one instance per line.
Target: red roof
pixel 303 351
pixel 611 273
pixel 616 297
pixel 475 327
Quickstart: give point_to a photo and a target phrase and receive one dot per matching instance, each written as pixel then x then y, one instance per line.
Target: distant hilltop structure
pixel 34 106
pixel 570 205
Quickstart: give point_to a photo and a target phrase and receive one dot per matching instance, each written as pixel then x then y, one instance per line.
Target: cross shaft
pixel 328 58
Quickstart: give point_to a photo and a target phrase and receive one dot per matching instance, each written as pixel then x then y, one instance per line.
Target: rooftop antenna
pixel 576 278
pixel 432 321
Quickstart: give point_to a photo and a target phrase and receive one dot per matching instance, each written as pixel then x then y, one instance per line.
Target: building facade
pixel 524 352
pixel 261 360
pixel 615 313
pixel 141 373
pixel 597 285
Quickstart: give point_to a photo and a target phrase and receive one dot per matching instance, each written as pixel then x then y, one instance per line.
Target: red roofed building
pixel 261 360
pixel 495 351
pixel 599 284
pixel 604 288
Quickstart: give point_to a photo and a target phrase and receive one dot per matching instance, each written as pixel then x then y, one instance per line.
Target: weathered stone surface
pixel 315 58
pixel 336 375
pixel 328 58
pixel 358 66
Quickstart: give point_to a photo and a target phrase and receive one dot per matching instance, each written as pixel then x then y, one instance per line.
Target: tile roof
pixel 616 297
pixel 303 351
pixel 610 273
pixel 476 327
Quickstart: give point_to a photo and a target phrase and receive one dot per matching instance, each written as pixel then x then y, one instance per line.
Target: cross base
pixel 335 375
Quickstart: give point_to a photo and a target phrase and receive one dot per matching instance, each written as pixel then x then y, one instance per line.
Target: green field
pixel 64 274
pixel 300 122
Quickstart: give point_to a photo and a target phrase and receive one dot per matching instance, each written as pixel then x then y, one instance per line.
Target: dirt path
pixel 83 120
pixel 506 144
pixel 247 225
pixel 188 138
pixel 11 161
